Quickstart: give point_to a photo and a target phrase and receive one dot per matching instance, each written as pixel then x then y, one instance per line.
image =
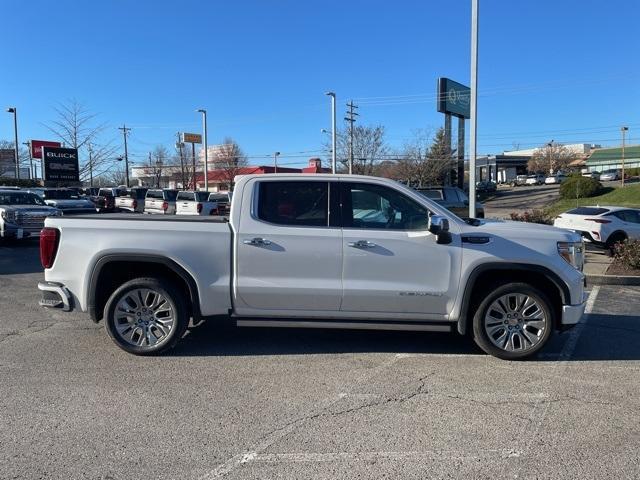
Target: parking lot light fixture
pixel 275 162
pixel 14 110
pixel 204 145
pixel 333 132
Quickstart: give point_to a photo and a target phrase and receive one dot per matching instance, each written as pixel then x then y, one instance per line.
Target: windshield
pixel 20 198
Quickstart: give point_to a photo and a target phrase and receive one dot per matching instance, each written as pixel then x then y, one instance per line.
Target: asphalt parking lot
pixel 312 404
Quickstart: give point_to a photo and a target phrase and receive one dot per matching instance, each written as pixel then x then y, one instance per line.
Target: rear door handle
pixel 362 244
pixel 257 241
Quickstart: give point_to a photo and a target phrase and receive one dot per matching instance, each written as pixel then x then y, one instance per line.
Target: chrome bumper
pixel 55 295
pixel 571 314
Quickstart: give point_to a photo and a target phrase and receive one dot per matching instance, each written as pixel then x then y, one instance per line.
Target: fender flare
pixel 124 257
pixel 463 319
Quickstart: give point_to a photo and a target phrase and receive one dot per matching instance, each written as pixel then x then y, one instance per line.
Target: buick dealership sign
pixel 60 164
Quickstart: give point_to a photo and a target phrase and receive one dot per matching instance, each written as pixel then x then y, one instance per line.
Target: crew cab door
pixel 288 254
pixel 392 264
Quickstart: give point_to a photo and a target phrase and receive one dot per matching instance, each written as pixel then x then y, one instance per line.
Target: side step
pixel 363 325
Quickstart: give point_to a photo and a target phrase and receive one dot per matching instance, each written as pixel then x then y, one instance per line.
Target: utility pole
pixel 90 166
pixel 14 110
pixel 333 133
pixel 473 120
pixel 125 130
pixel 204 144
pixel 623 130
pixel 351 118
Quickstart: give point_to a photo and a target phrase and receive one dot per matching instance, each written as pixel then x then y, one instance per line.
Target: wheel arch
pixel 106 271
pixel 487 275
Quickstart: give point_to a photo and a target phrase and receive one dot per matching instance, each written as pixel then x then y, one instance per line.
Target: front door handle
pixel 362 244
pixel 257 241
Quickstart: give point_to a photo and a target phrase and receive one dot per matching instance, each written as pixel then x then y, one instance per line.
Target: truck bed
pixel 155 218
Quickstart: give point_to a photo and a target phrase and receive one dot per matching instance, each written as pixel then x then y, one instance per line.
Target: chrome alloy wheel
pixel 144 318
pixel 515 322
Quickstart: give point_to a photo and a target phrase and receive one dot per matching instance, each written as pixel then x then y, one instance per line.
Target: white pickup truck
pixel 319 251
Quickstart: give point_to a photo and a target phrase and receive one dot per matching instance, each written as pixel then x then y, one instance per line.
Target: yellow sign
pixel 191 138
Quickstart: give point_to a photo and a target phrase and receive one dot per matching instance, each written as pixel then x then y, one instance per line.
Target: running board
pixel 364 325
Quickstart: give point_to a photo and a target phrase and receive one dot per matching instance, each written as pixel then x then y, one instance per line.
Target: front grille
pixel 31 222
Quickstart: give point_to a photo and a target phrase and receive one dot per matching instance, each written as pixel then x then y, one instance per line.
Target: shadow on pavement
pixel 215 339
pixel 19 256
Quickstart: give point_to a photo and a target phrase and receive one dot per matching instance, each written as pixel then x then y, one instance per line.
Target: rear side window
pixel 186 196
pixel 630 216
pixel 432 194
pixel 588 211
pixel 294 203
pixel 450 195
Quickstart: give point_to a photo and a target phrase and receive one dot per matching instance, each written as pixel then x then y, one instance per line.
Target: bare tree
pixel 551 158
pixel 369 147
pixel 424 160
pixel 7 159
pixel 229 159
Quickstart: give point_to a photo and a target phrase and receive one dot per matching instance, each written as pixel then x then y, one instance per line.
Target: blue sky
pixel 564 70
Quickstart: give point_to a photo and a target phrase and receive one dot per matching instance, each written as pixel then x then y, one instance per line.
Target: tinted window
pixel 105 192
pixel 375 206
pixel 451 195
pixel 588 211
pixel 138 193
pixel 294 203
pixel 186 196
pixel 628 216
pixel 201 196
pixel 170 195
pixel 433 194
pixel 155 194
pixel 19 198
pixel 219 197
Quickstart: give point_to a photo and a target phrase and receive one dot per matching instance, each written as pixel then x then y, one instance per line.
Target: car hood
pixel 522 231
pixel 70 203
pixel 28 209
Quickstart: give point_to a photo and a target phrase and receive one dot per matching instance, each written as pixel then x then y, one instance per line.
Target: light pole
pixel 91 166
pixel 333 132
pixel 14 110
pixel 550 152
pixel 204 144
pixel 275 162
pixel 623 130
pixel 473 110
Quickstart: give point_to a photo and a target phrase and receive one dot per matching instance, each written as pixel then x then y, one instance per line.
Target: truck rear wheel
pixel 513 322
pixel 146 316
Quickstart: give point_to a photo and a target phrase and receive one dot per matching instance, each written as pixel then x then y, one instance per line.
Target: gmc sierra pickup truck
pixel 319 251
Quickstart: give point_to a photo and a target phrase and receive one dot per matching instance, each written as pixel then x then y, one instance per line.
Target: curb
pixel 613 280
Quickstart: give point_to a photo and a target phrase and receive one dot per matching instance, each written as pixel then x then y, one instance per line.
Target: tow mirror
pixel 439 226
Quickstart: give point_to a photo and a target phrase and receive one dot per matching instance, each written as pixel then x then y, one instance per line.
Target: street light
pixel 473 109
pixel 14 110
pixel 623 130
pixel 204 144
pixel 333 131
pixel 275 162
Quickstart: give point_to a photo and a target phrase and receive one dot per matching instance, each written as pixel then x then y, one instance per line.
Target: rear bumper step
pixel 55 295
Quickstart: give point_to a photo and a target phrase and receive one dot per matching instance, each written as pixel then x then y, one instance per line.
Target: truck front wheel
pixel 514 321
pixel 146 316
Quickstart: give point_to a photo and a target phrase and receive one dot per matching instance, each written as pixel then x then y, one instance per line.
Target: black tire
pixel 481 337
pixel 174 300
pixel 615 238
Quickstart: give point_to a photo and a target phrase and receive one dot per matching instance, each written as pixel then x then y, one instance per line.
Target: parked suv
pixel 132 200
pixel 68 201
pixel 195 203
pixel 452 198
pixel 537 179
pixel 161 202
pixel 519 181
pixel 223 200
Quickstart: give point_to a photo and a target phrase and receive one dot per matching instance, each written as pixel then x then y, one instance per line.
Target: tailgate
pixel 185 206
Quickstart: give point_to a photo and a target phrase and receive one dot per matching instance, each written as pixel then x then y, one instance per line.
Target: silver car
pixel 609 175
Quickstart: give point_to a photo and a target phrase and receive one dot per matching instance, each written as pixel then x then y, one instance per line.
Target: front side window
pixel 294 203
pixel 378 207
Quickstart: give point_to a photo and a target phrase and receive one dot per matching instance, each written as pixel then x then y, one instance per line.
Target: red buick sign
pixel 36 147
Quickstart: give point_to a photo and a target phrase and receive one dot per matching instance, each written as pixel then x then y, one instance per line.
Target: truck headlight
pixel 573 253
pixel 9 216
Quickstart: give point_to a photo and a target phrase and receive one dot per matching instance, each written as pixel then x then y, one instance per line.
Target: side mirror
pixel 438 224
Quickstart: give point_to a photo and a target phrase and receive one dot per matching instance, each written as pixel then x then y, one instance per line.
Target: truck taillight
pixel 134 205
pixel 199 208
pixel 165 206
pixel 49 238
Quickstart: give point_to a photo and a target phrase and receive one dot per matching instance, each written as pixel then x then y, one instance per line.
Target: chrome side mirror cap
pixel 438 224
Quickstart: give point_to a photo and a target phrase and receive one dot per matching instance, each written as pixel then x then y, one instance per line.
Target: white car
pixel 195 203
pixel 534 179
pixel 555 179
pixel 161 202
pixel 594 175
pixel 318 251
pixel 609 175
pixel 131 200
pixel 603 226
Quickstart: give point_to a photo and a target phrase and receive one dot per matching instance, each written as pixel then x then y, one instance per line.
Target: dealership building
pixel 611 158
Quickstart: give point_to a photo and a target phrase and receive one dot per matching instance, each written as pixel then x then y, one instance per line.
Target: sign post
pixel 60 166
pixel 192 138
pixel 454 100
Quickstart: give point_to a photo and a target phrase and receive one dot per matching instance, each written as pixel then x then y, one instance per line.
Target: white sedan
pixel 603 226
pixel 555 179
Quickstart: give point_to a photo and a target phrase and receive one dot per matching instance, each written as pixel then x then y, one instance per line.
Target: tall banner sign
pixel 60 165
